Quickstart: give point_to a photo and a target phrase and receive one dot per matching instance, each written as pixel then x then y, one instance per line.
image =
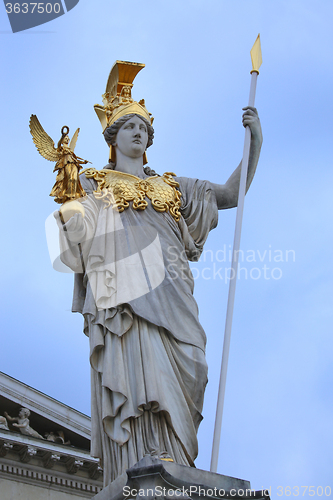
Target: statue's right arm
pixel 79 217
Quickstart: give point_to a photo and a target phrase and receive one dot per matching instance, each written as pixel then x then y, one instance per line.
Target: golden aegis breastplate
pixel 118 189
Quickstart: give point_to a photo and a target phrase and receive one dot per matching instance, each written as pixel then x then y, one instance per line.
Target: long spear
pixel 256 63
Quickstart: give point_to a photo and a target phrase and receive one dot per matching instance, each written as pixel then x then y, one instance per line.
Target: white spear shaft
pixel 233 272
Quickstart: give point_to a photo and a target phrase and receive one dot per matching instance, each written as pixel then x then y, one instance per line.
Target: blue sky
pixel 277 426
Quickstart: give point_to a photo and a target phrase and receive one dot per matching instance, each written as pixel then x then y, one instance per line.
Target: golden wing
pixel 43 142
pixel 74 139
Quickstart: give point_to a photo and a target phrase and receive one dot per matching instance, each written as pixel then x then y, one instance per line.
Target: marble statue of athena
pixel 129 241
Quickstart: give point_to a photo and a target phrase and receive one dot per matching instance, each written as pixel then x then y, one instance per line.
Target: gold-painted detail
pixel 119 189
pixel 256 56
pixel 117 99
pixel 67 186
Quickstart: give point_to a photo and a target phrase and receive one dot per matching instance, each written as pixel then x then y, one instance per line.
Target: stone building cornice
pixel 49 465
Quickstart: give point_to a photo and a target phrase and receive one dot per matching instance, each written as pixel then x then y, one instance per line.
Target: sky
pixel 277 427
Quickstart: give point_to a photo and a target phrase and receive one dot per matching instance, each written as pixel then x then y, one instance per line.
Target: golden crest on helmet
pixel 117 99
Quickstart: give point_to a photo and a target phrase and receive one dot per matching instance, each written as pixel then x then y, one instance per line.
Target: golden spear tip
pixel 256 56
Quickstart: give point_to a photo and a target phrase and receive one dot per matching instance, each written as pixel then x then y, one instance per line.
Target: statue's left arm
pixel 227 194
pixel 9 418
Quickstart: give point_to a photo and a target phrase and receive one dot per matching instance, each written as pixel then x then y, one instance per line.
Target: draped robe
pixel 134 287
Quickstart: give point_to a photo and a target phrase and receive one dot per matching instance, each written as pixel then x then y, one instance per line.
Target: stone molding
pixel 56 481
pixel 49 465
pixel 20 439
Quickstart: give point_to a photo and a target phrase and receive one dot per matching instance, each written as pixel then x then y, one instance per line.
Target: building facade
pixel 44 447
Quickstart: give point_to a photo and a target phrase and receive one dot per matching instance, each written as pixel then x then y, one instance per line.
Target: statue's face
pixel 66 139
pixel 132 138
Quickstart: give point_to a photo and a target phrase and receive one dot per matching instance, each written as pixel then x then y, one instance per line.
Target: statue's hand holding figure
pixel 70 208
pixel 71 215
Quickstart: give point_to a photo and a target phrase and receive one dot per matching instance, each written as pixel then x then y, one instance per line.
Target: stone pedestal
pixel 153 479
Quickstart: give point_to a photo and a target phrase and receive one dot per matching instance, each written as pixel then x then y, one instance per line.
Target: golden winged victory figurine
pixel 67 186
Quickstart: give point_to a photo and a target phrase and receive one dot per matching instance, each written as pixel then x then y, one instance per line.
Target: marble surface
pixel 153 478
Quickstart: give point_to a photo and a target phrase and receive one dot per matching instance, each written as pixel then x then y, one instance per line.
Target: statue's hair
pixel 110 135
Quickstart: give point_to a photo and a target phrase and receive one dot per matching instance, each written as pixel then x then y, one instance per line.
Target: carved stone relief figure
pixel 3 423
pixel 22 423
